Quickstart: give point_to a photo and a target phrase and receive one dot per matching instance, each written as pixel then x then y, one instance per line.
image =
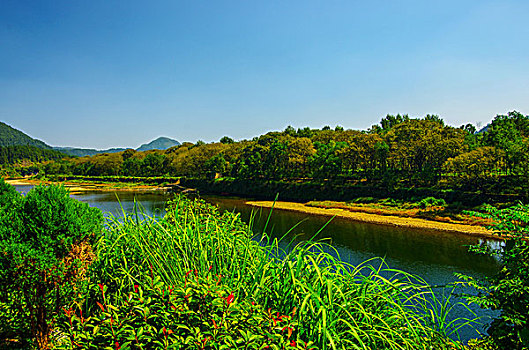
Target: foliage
pixel 331 303
pixel 508 291
pixel 226 139
pixel 20 153
pixel 431 202
pixel 44 252
pixel 200 314
pixel 400 152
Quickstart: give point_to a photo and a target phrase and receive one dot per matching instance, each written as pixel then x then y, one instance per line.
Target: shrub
pixel 200 314
pixel 508 291
pixel 45 247
pixel 431 202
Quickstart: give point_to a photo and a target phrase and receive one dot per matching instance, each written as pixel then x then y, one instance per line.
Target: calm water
pixel 434 256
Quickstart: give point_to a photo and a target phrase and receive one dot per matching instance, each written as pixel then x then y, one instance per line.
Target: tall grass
pixel 336 305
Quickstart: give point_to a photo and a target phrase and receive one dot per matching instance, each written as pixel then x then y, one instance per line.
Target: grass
pixel 334 304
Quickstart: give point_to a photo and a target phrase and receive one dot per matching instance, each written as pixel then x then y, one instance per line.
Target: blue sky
pixel 104 73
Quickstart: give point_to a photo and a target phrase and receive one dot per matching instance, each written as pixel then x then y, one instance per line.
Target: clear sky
pixel 104 73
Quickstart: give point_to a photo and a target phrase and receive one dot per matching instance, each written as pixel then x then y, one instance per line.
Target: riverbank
pixel 389 220
pixel 76 187
pixel 83 186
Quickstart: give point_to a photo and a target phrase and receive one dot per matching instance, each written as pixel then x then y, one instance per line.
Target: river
pixel 433 255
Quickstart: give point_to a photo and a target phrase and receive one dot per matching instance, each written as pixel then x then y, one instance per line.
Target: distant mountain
pixel 81 152
pixel 160 143
pixel 10 136
pixel 13 137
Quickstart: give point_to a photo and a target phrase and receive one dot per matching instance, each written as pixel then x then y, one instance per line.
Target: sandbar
pixel 389 220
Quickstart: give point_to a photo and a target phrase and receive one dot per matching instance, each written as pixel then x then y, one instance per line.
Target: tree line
pixel 398 152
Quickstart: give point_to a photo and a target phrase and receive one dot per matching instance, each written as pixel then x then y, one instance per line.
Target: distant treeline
pixel 26 153
pixel 400 152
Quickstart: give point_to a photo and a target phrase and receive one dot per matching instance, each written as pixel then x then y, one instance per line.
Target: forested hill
pixel 160 143
pixel 12 137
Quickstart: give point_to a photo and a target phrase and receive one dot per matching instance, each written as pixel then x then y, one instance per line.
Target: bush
pixel 45 248
pixel 431 202
pixel 201 314
pixel 508 291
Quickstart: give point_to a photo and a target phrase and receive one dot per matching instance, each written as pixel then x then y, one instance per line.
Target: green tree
pixel 434 118
pixel 510 133
pixel 45 240
pixel 154 164
pixel 508 291
pixel 326 162
pixel 471 169
pixel 226 140
pixel 418 148
pixel 289 130
pixel 390 121
pixel 217 164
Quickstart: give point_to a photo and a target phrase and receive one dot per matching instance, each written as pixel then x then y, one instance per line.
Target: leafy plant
pixel 200 314
pixel 337 305
pixel 431 202
pixel 45 248
pixel 508 291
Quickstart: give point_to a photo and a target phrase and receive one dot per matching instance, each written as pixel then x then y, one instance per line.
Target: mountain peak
pixel 160 143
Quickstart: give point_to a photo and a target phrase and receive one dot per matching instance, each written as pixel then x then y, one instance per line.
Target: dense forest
pixel 27 154
pixel 25 159
pixel 399 152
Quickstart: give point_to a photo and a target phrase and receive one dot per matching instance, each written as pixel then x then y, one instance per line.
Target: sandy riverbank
pixel 74 187
pixel 376 219
pixel 389 220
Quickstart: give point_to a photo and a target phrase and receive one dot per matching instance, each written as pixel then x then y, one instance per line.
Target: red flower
pixel 229 298
pixel 118 346
pixel 68 312
pixel 293 343
pixel 136 286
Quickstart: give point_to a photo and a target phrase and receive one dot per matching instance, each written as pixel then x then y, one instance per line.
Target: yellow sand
pixel 77 188
pixel 302 208
pixel 375 218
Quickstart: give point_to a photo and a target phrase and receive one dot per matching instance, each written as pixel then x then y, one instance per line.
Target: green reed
pixel 337 305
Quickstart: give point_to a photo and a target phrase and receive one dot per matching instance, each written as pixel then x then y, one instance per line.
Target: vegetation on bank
pixel 429 208
pixel 399 153
pixel 25 159
pixel 196 279
pixel 45 248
